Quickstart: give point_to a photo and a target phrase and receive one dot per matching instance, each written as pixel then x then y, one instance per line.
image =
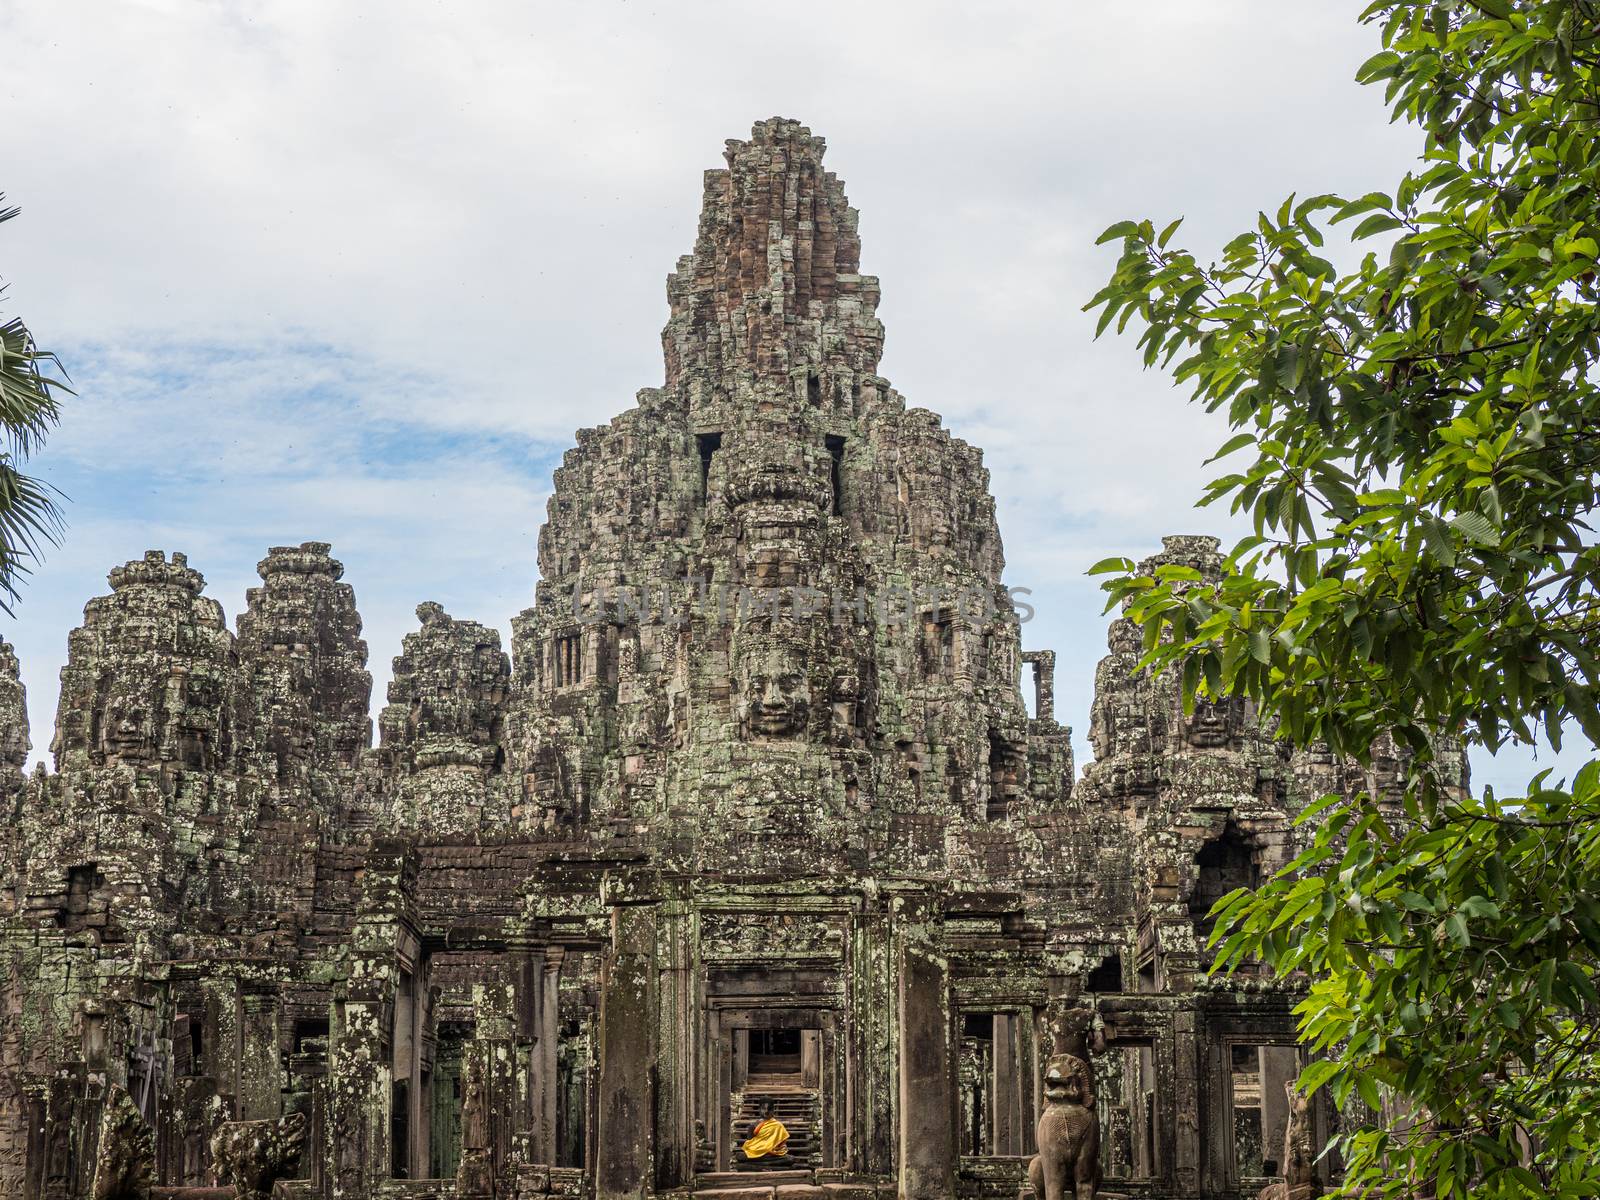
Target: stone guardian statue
pixel 1067 1166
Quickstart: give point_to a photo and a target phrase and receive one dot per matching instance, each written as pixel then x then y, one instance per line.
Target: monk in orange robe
pixel 769 1138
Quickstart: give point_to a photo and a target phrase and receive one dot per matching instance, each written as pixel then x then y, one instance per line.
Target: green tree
pixel 1416 448
pixel 29 515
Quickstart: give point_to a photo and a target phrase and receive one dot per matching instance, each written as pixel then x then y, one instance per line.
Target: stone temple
pixel 752 812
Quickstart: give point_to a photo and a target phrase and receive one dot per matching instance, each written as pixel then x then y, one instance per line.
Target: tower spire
pixel 772 295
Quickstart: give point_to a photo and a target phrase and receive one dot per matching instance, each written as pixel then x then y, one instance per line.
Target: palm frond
pixel 28 407
pixel 29 517
pixel 30 379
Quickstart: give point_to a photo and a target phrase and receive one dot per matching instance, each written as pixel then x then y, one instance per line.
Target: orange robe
pixel 768 1139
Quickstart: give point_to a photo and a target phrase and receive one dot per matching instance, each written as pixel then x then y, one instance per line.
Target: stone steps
pixel 781 1185
pixel 800 1112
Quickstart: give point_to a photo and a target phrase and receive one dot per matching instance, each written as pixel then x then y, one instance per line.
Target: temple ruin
pixel 752 811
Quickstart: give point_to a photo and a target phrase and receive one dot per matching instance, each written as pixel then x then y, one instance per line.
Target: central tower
pixel 771 634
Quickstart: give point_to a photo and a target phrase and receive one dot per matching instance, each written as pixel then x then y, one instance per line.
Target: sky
pixel 356 273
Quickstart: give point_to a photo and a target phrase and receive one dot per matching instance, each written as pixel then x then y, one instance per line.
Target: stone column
pixel 927 1104
pixel 624 1141
pixel 260 1076
pixel 721 1114
pixel 475 1170
pixel 1279 1065
pixel 547 1073
pixel 811 1057
pixel 529 999
pixel 360 1045
pixel 1005 1086
pixel 359 1092
pixel 1186 1097
pixel 1043 663
pixel 1030 1078
pixel 739 1040
pixel 675 1049
pixel 870 1085
pixel 494 1008
pixel 830 1076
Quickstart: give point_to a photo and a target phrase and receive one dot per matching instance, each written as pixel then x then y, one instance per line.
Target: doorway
pixel 773 1062
pixel 775 1051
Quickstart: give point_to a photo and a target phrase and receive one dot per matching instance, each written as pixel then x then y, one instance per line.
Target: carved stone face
pixel 775 692
pixel 1123 637
pixel 1212 724
pixel 128 728
pixel 1121 720
pixel 1066 1080
pixel 1388 770
pixel 770 470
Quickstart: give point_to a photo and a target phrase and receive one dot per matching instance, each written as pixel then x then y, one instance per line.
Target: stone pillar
pixel 1006 1085
pixel 722 1114
pixel 405 1040
pixel 360 1067
pixel 475 1173
pixel 359 1092
pixel 1279 1065
pixel 260 1075
pixel 927 1104
pixel 811 1057
pixel 1044 682
pixel 1185 1090
pixel 1030 1078
pixel 870 1088
pixel 624 1141
pixel 675 1049
pixel 830 1076
pixel 495 1027
pixel 546 1053
pixel 525 1067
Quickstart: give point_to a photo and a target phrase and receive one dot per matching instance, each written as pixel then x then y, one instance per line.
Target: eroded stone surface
pixel 752 810
pixel 254 1155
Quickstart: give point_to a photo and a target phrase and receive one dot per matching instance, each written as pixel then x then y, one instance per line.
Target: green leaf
pixel 1378 66
pixel 1376 223
pixel 1477 527
pixel 1122 229
pixel 1238 442
pixel 1110 566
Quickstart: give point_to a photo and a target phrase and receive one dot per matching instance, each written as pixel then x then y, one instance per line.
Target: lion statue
pixel 1067 1166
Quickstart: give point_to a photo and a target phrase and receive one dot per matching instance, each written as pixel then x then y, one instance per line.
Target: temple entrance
pixel 781 1074
pixel 772 1064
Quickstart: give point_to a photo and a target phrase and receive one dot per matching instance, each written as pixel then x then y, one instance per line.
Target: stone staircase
pixel 798 1109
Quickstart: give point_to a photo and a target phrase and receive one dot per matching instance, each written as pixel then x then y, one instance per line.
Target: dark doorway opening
pixel 976 1074
pixel 836 470
pixel 400 1130
pixel 1225 863
pixel 708 444
pixel 774 1051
